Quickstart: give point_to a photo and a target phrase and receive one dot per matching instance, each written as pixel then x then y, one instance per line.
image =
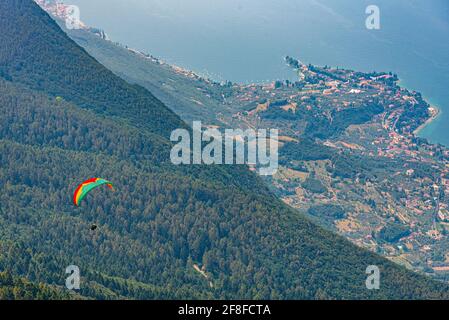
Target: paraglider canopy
pixel 86 187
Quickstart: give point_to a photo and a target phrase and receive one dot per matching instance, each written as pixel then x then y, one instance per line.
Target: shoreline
pixel 437 112
pixel 433 110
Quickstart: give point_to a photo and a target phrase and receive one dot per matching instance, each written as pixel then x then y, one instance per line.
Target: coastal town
pixel 397 207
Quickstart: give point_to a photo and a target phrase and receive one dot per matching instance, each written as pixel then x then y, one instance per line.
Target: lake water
pixel 246 40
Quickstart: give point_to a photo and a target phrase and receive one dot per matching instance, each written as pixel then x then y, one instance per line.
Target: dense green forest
pixel 14 288
pixel 64 118
pixel 46 59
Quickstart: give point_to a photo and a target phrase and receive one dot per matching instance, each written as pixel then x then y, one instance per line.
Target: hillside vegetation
pixel 64 118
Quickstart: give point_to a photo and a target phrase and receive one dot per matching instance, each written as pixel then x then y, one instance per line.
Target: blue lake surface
pixel 246 40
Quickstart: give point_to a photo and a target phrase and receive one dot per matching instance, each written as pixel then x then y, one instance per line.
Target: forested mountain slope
pixel 42 57
pixel 64 118
pixel 13 288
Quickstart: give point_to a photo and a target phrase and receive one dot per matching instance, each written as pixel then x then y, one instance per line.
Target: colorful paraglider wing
pixel 86 187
